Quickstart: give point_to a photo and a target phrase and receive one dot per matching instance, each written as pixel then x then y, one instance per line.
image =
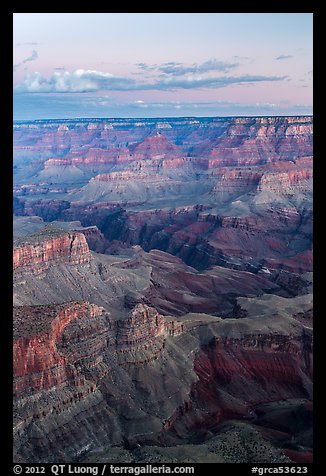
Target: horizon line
pixel 160 117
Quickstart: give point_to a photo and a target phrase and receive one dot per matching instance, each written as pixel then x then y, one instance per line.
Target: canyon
pixel 163 290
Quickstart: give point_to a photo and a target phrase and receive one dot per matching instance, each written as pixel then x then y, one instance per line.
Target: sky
pixel 68 65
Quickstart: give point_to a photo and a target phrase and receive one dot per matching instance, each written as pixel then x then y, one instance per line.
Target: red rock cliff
pixel 37 363
pixel 37 252
pixel 235 373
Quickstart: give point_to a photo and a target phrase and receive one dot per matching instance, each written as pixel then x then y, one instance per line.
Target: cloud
pixel 32 57
pixel 81 81
pixel 241 57
pixel 180 69
pixel 210 65
pixel 147 67
pixel 283 57
pixel 194 82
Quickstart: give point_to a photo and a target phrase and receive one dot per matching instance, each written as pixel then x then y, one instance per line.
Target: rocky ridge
pixel 74 361
pixel 38 251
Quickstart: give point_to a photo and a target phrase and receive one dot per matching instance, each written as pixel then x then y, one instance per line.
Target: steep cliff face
pixel 75 360
pixel 75 155
pixel 37 362
pixel 91 157
pixel 97 156
pixel 269 234
pixel 252 178
pixel 203 238
pixel 281 178
pixel 142 324
pixel 49 210
pixel 238 371
pixel 157 146
pixel 95 239
pixel 252 141
pixel 272 364
pixel 51 341
pixel 37 252
pixel 238 178
pixel 290 182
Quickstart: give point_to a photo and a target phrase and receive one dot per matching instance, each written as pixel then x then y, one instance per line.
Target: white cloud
pixel 79 81
pixel 85 81
pixel 196 82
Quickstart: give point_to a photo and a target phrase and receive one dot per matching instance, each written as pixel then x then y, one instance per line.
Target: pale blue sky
pixel 154 64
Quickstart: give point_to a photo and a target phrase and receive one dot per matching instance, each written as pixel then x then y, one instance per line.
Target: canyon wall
pixel 194 327
pixel 36 254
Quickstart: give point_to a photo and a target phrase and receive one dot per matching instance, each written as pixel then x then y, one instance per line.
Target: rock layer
pixel 77 361
pixel 194 330
pixel 36 253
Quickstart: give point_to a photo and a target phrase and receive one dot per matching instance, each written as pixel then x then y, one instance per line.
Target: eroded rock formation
pixel 37 252
pixel 192 334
